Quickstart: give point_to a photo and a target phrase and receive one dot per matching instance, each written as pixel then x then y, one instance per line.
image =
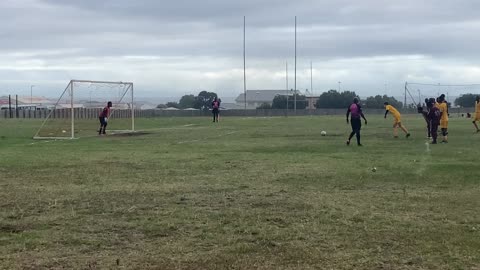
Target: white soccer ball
pixel 64 131
pixel 323 133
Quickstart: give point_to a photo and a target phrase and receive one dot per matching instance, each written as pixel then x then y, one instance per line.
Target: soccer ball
pixel 323 133
pixel 64 131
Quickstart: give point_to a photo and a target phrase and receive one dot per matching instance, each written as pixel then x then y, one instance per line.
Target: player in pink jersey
pixel 355 113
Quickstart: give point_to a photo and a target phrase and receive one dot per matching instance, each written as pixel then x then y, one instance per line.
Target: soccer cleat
pixel 360 144
pixel 433 143
pixel 444 141
pixel 408 135
pixel 395 137
pixel 348 142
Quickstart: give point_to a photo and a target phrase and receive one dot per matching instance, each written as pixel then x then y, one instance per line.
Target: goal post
pixel 416 92
pixel 75 113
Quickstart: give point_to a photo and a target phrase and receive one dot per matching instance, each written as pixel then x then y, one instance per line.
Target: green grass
pixel 247 193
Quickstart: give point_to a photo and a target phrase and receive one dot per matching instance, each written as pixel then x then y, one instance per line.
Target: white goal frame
pixel 70 88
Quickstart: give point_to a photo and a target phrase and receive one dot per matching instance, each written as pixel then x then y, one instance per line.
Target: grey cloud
pixel 177 35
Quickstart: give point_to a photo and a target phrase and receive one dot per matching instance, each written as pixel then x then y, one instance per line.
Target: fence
pixel 89 113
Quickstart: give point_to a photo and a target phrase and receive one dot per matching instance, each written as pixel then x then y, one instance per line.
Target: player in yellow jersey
pixel 476 117
pixel 443 107
pixel 397 122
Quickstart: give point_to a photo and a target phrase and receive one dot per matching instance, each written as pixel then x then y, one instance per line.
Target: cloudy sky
pixel 169 48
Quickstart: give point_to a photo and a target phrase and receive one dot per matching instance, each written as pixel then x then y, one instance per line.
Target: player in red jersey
pixel 103 117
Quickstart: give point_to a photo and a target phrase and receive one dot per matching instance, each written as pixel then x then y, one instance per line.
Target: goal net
pixel 76 113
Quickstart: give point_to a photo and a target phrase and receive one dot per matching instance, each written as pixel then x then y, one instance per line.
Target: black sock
pixel 358 137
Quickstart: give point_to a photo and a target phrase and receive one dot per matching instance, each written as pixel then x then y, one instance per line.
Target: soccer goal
pixel 76 113
pixel 417 92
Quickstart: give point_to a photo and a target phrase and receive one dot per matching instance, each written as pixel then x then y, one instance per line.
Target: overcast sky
pixel 169 48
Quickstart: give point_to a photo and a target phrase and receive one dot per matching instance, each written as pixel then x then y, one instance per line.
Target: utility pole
pixel 244 67
pixel 295 90
pixel 31 94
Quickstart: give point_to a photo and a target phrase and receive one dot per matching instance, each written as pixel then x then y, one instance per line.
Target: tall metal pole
pixel 295 90
pixel 9 106
pixel 339 86
pixel 244 67
pixel 311 78
pixel 286 81
pixel 31 94
pixel 72 110
pixel 16 106
pixel 133 110
pixel 405 104
pixel 311 84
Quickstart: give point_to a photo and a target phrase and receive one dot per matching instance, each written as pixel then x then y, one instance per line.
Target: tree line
pixel 202 101
pixel 331 99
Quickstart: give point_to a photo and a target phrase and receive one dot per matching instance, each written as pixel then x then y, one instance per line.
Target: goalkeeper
pixel 103 117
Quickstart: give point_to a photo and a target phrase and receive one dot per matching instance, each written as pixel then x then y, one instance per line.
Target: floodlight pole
pixel 286 81
pixel 72 109
pixel 405 104
pixel 31 94
pixel 311 78
pixel 295 91
pixel 133 109
pixel 244 67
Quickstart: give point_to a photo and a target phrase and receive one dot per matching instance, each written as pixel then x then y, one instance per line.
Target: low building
pixel 311 102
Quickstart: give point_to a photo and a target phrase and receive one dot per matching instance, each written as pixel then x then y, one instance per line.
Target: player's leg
pixel 444 128
pixel 358 135
pixel 358 127
pixel 352 123
pixel 475 124
pixel 429 134
pixel 101 125
pixel 395 129
pixel 434 132
pixel 404 130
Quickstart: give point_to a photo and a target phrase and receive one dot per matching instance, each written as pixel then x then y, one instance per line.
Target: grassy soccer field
pixel 247 193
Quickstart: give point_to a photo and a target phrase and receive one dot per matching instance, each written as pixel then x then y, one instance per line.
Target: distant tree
pixel 264 106
pixel 376 102
pixel 301 102
pixel 466 100
pixel 335 100
pixel 204 100
pixel 161 106
pixel 172 104
pixel 187 101
pixel 280 102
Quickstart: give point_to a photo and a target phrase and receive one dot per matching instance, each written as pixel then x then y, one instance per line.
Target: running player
pixel 397 122
pixel 443 107
pixel 477 113
pixel 355 110
pixel 103 117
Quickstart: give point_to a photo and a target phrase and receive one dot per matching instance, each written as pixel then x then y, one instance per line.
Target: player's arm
pixel 386 112
pixel 361 114
pixel 348 113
